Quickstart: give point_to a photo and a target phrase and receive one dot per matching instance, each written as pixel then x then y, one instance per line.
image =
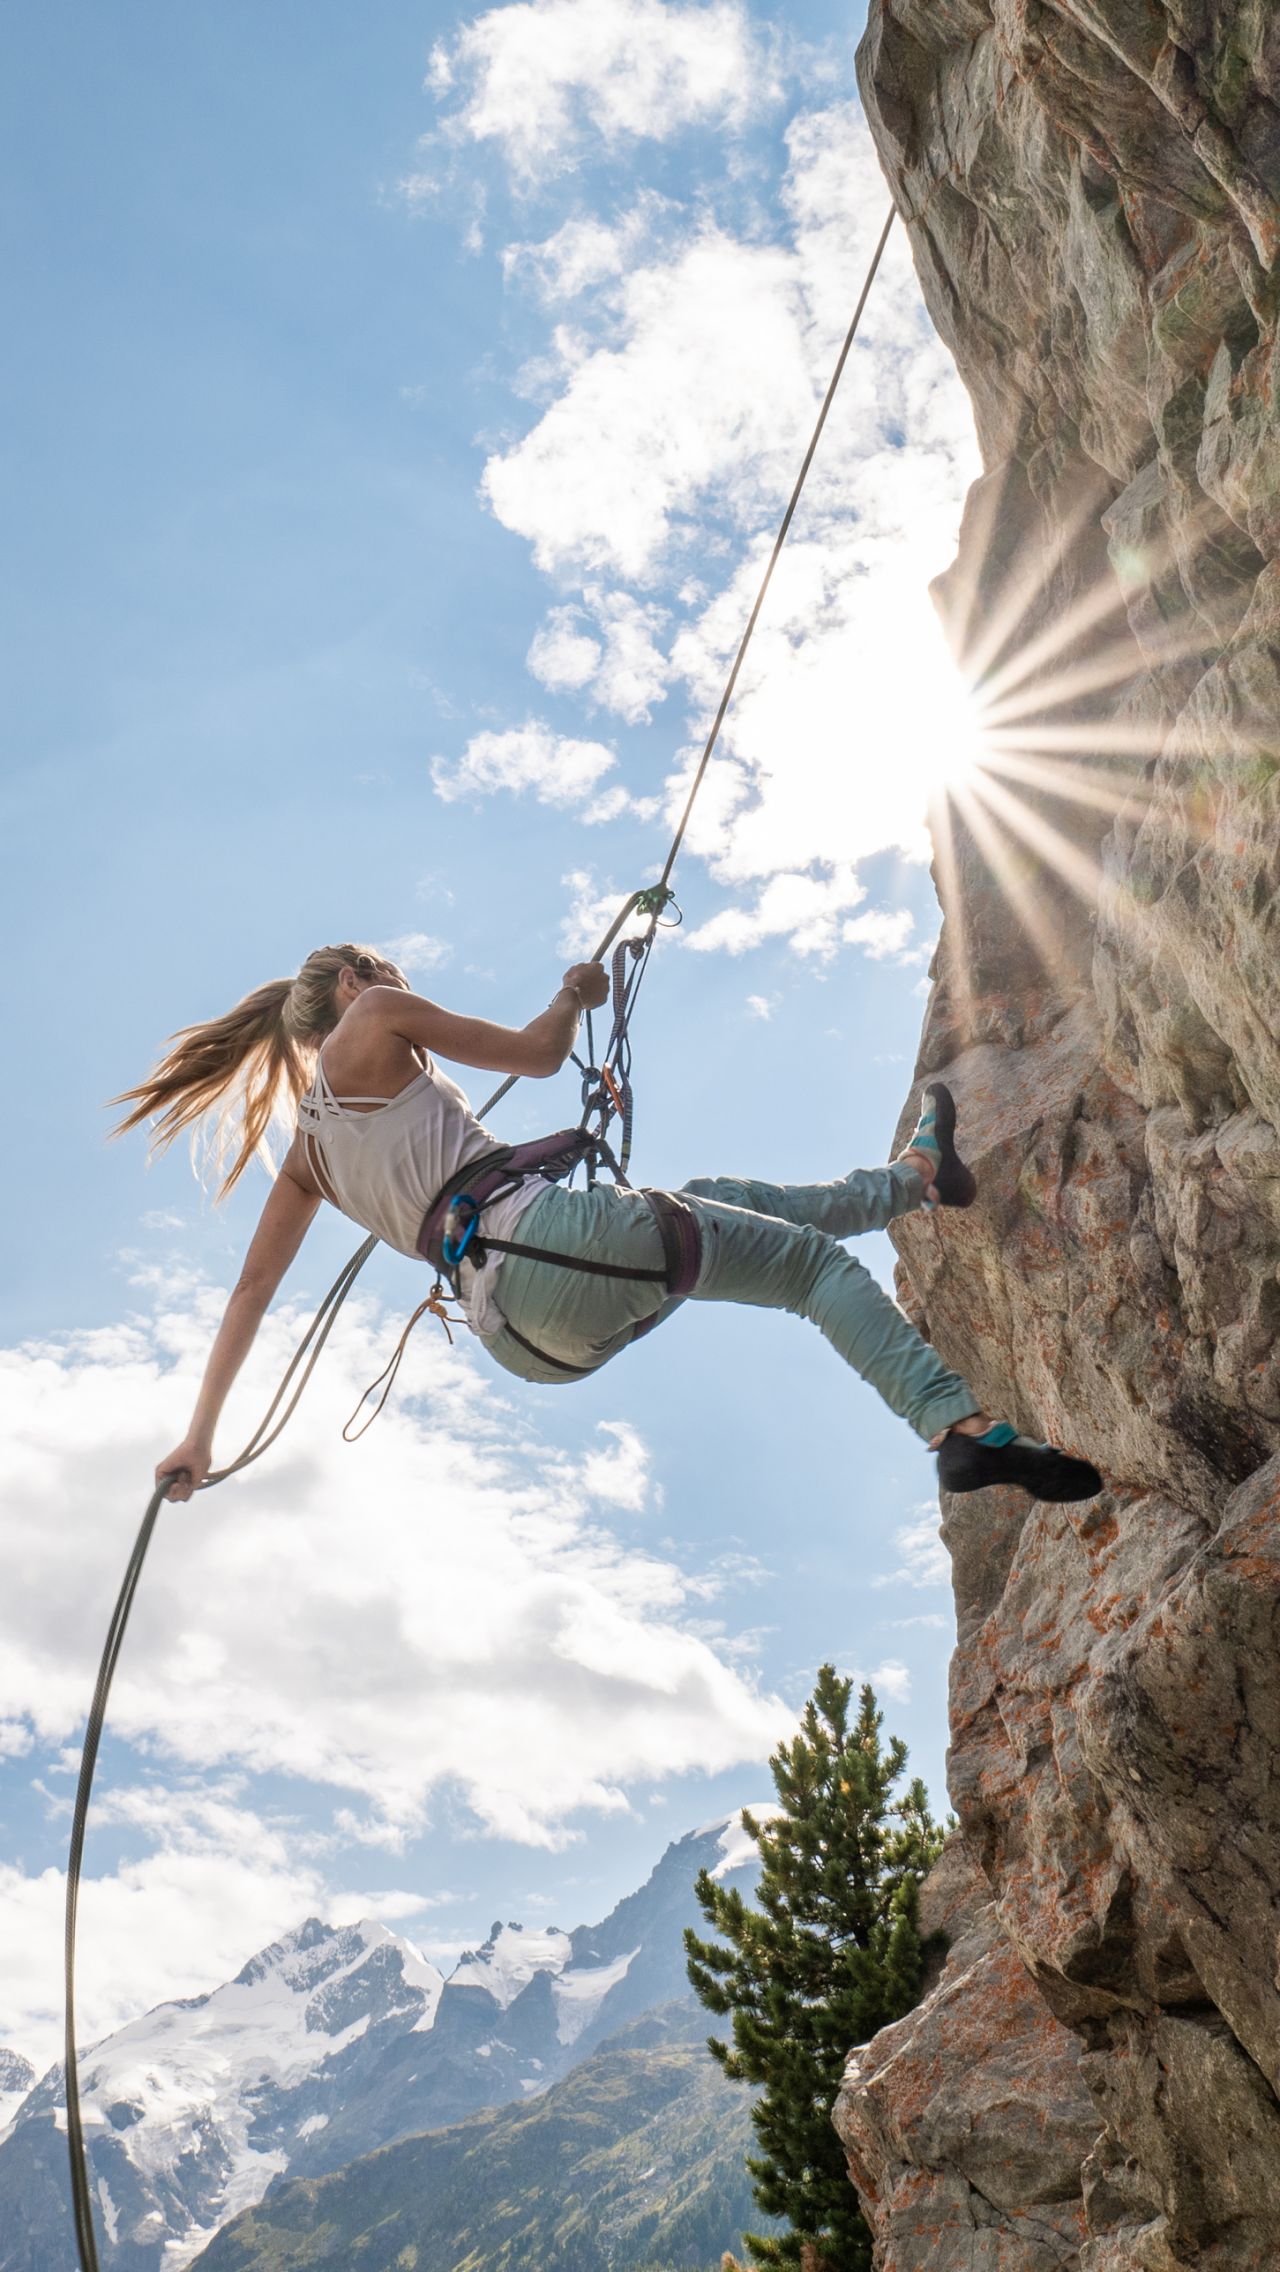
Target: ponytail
pixel 242 1071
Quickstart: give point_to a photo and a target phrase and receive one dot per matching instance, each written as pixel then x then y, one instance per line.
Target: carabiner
pixel 459 1228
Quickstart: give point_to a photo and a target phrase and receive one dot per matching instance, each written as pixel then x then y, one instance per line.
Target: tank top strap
pixel 320 1102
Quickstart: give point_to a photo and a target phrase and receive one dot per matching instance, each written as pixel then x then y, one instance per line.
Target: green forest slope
pixel 634 2163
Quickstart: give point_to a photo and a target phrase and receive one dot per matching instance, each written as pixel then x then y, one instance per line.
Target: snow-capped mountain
pixel 16 2077
pixel 327 2045
pixel 193 2109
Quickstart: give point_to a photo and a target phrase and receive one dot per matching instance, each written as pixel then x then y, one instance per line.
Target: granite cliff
pixel 1092 192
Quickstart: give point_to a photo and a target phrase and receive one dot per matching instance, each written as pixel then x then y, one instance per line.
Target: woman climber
pixel 382 1133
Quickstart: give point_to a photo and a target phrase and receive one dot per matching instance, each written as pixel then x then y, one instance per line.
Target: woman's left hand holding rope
pixel 186 1467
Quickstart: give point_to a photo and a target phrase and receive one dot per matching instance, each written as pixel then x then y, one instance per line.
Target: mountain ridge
pixel 328 2044
pixel 634 2159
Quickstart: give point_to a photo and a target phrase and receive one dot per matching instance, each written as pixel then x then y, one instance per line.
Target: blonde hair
pixel 247 1069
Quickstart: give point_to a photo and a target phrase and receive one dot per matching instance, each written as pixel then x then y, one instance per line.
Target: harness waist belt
pixel 495 1171
pixel 554 1157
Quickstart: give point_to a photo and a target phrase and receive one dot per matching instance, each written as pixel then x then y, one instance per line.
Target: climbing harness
pixel 452 1230
pixel 457 1233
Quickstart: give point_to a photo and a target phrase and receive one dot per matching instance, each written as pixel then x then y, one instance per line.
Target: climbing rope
pixel 606 1095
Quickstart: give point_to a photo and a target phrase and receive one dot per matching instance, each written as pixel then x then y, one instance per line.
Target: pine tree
pixel 831 1954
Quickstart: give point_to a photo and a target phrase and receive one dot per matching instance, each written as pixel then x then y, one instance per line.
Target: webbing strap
pixel 544 1356
pixel 681 1236
pixel 584 1262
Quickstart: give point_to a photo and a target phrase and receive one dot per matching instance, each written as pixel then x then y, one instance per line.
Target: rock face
pixel 1091 189
pixel 966 2122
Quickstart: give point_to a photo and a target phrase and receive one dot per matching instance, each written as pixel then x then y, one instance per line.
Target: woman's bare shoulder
pixel 365 1056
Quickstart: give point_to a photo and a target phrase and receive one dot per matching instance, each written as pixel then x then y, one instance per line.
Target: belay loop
pixel 674 1223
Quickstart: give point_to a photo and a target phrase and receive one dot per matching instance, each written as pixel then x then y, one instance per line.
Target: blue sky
pixel 402 401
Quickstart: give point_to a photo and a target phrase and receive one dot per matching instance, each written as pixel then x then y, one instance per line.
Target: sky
pixel 401 407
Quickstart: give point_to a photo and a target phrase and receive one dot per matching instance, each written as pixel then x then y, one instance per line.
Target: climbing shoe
pixel 935 1136
pixel 971 1463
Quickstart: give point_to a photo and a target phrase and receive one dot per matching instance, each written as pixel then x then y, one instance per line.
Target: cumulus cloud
pixel 540 79
pixel 692 387
pixel 417 952
pixel 592 908
pixel 892 1678
pixel 698 375
pixel 682 396
pixel 444 1603
pixel 879 933
pixel 809 911
pixel 563 655
pixel 558 769
pixel 617 1473
pixel 806 909
pixel 586 251
pixel 925 1561
pixel 608 648
pixel 216 1881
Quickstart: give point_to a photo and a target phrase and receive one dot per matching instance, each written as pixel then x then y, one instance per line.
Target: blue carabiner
pixel 456 1241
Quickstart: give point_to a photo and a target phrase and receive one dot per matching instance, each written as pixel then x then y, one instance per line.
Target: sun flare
pixel 950 748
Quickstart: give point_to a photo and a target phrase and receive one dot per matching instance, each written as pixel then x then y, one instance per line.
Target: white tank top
pixel 385 1166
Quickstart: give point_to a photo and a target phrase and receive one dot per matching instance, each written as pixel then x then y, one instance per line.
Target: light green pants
pixel 774 1246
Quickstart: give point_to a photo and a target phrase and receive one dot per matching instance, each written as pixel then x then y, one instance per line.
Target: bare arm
pixel 282 1226
pixel 538 1049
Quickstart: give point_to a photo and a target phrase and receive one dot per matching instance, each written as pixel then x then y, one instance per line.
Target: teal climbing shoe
pixel 935 1136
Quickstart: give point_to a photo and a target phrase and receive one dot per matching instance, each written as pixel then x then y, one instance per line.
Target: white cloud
pixel 700 379
pixel 761 1005
pixel 633 673
pixel 890 1679
pixel 925 1561
pixel 218 1880
pixel 217 1883
pixel 541 78
pixel 614 803
pixel 618 661
pixel 808 910
pixel 442 1603
pixel 689 390
pixel 878 932
pixel 416 952
pixel 683 394
pixel 592 909
pixel 585 251
pixel 558 769
pixel 563 655
pixel 618 1474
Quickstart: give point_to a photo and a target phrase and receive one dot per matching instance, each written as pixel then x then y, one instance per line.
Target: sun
pixel 949 749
